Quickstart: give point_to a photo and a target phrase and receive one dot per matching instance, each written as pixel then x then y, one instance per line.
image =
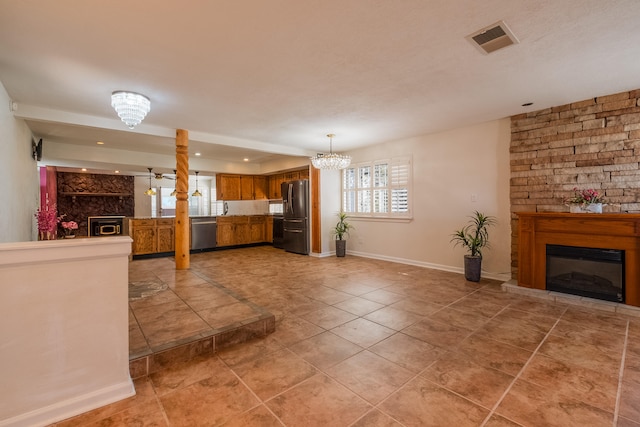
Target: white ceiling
pixel 261 79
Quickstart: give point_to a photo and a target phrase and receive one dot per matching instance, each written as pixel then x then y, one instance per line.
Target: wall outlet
pixel 474 197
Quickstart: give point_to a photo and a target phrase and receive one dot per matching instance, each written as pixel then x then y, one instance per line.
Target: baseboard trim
pixel 459 270
pixel 72 407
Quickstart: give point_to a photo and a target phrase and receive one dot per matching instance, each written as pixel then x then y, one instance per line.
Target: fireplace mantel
pixel 609 231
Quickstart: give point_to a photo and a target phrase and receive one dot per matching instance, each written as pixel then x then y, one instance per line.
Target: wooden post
pixel 182 203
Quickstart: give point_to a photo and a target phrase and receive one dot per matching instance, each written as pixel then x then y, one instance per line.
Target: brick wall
pixel 593 143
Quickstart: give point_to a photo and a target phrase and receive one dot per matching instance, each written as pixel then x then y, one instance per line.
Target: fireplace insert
pixel 106 225
pixel 590 272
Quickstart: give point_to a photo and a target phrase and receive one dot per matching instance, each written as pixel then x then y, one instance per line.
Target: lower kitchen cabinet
pixel 152 236
pixel 241 230
pixel 269 230
pixel 257 225
pixel 225 231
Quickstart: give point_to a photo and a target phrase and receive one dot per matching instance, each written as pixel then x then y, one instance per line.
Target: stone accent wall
pixel 593 143
pixel 80 208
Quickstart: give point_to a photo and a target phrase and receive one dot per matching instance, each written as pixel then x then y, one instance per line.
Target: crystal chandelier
pixel 196 193
pixel 150 191
pixel 331 160
pixel 131 107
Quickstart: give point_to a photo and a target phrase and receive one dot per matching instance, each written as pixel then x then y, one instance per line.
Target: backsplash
pixel 242 207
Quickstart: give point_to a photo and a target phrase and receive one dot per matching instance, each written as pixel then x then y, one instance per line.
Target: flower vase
pixel 590 208
pixel 46 235
pixel 70 236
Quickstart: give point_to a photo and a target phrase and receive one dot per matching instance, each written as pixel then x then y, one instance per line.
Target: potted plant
pixel 474 237
pixel 340 231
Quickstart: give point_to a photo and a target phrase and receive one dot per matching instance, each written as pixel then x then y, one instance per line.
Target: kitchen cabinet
pixel 241 230
pixel 260 190
pixel 152 236
pixel 304 173
pixel 292 175
pixel 228 187
pixel 225 231
pixel 241 187
pixel 246 187
pixel 268 230
pixel 274 186
pixel 257 224
pixel 165 235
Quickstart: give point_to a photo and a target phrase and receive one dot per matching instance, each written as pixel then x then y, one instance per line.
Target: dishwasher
pixel 203 233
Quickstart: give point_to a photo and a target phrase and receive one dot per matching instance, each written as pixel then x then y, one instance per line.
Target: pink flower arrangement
pixel 70 225
pixel 585 197
pixel 48 220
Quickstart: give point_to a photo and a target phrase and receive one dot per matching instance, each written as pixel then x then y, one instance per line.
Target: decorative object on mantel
pixel 585 201
pixel 69 227
pixel 48 220
pixel 474 237
pixel 150 191
pixel 331 160
pixel 131 107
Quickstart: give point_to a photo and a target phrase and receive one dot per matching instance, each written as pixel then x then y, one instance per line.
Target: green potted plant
pixel 474 237
pixel 340 231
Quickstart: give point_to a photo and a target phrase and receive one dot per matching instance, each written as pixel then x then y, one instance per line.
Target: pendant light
pixel 197 193
pixel 150 191
pixel 331 160
pixel 174 192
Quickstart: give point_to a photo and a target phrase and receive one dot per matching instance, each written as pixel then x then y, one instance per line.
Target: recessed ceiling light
pixel 100 143
pixel 245 159
pixel 84 169
pixel 117 171
pixel 527 104
pixel 197 154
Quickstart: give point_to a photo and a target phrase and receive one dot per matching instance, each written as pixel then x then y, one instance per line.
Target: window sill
pixel 380 218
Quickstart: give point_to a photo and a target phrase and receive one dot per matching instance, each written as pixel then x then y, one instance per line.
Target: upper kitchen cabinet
pixel 275 182
pixel 260 190
pixel 228 187
pixel 241 187
pixel 246 187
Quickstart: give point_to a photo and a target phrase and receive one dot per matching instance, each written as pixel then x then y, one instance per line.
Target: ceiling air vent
pixel 491 38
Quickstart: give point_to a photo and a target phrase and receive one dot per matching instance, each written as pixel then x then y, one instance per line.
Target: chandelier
pixel 196 193
pixel 331 160
pixel 150 191
pixel 131 107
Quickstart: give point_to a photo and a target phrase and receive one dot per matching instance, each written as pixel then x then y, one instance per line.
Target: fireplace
pixel 612 231
pixel 590 272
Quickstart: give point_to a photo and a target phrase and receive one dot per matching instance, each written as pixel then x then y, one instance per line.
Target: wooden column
pixel 182 203
pixel 316 213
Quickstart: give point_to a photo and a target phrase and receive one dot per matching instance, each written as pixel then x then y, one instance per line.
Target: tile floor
pixel 361 342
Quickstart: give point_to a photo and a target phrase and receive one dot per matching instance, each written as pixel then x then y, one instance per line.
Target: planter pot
pixel 341 248
pixel 472 268
pixel 592 208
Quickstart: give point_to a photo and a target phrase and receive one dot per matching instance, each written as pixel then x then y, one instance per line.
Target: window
pixel 378 189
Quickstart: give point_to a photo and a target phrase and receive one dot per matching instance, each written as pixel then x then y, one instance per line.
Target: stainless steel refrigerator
pixel 295 204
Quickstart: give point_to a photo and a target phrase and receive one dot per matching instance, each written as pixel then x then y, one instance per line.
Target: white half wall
pixel 65 337
pixel 19 180
pixel 454 174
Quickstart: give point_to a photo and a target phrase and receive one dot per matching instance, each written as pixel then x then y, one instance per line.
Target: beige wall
pixel 449 169
pixel 19 181
pixel 593 143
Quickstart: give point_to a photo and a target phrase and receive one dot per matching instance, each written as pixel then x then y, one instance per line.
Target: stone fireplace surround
pixel 594 143
pixel 609 231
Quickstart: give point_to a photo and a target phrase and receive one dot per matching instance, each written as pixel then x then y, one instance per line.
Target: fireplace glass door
pixel 590 272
